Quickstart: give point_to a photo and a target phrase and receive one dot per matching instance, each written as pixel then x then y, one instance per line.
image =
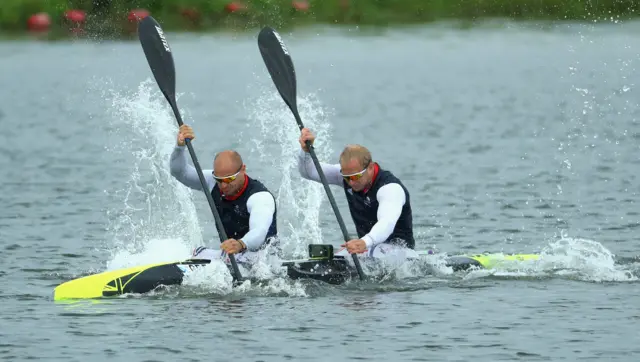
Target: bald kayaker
pixel 246 207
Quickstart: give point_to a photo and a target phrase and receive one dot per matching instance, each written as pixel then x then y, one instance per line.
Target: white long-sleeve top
pixel 391 197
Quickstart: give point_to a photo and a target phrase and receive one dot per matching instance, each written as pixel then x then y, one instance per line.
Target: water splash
pixel 298 202
pixel 152 251
pixel 265 277
pixel 156 210
pixel 583 259
pixel 214 278
pixel 570 258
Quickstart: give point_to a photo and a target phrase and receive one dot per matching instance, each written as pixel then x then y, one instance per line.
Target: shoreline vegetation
pixel 118 18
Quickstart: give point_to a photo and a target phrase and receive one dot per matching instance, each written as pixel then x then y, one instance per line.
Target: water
pixel 512 139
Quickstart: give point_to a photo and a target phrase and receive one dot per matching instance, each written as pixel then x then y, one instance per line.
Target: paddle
pixel 158 53
pixel 280 66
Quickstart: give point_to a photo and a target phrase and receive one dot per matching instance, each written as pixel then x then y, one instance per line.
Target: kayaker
pixel 246 207
pixel 378 201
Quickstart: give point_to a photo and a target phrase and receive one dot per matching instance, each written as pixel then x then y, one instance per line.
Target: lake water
pixel 511 138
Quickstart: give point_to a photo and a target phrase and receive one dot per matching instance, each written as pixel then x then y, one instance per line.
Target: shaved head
pixel 228 163
pixel 228 157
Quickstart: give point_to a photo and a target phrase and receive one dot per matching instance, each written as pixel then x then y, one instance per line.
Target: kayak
pixel 323 266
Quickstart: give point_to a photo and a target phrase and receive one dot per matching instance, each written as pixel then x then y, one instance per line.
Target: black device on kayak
pixel 321 251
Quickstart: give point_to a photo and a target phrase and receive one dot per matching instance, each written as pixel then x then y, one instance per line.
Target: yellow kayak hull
pixel 139 279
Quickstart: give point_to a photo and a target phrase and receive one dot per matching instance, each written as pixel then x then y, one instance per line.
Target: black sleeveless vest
pixel 234 213
pixel 364 209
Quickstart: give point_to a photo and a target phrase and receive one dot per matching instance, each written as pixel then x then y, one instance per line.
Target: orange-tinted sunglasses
pixel 227 179
pixel 354 176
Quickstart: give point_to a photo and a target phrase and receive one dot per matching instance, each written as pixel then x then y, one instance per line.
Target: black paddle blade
pixel 158 53
pixel 279 64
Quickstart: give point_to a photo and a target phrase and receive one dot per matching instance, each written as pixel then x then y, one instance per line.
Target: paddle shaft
pixel 280 66
pixel 158 54
pixel 332 201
